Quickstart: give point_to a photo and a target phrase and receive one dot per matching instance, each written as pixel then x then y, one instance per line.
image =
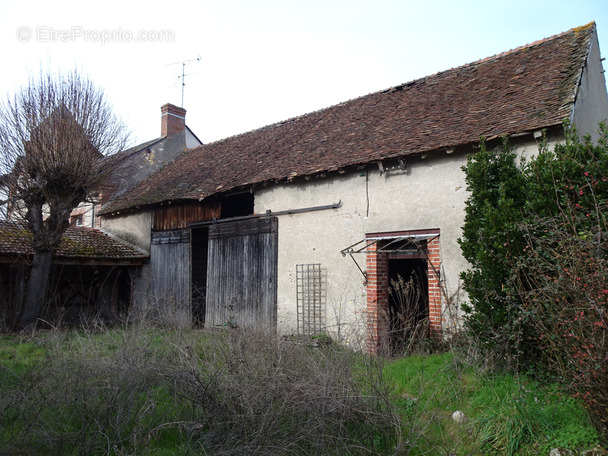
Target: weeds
pixel 505 414
pixel 142 391
pixel 266 396
pixel 86 397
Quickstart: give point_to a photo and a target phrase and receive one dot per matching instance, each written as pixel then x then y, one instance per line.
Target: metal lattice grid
pixel 311 293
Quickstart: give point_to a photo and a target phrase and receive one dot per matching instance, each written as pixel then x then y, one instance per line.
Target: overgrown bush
pixel 491 236
pixel 539 268
pixel 146 391
pixel 562 282
pixel 253 393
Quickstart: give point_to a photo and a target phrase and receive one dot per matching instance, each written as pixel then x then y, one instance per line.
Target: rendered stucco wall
pixel 134 228
pixel 429 195
pixel 191 140
pixel 591 104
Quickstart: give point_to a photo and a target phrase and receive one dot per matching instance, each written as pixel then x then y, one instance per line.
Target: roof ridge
pixel 408 83
pixel 139 147
pixel 115 197
pixel 529 45
pixel 453 106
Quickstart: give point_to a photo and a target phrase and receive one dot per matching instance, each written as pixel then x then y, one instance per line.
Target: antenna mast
pixel 183 76
pixel 183 81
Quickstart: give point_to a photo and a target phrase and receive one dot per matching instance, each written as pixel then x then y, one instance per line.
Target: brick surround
pixel 434 278
pixel 378 298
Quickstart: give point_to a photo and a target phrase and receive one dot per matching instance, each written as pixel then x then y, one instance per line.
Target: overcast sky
pixel 265 61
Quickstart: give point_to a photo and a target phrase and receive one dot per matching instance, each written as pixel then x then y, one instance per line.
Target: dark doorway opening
pixel 122 296
pixel 407 301
pixel 200 249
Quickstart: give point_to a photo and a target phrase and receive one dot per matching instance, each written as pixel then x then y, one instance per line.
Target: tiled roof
pixel 82 243
pixel 525 89
pixel 126 165
pixel 136 164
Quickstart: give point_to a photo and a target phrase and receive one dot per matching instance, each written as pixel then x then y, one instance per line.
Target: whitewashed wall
pixel 133 227
pixel 429 195
pixel 591 104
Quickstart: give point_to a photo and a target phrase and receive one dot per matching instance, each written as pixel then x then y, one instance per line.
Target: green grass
pixel 19 354
pixel 17 357
pixel 506 415
pixel 163 392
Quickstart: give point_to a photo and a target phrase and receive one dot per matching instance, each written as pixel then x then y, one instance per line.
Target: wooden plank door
pixel 242 274
pixel 170 281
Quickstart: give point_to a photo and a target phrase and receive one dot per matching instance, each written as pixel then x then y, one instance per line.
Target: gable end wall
pixel 591 105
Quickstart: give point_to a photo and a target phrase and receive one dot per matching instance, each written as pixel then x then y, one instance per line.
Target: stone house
pixel 138 162
pixel 93 270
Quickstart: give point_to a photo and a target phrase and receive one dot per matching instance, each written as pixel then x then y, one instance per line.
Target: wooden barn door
pixel 170 269
pixel 242 274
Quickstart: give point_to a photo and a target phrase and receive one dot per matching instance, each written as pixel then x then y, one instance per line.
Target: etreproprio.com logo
pixel 47 34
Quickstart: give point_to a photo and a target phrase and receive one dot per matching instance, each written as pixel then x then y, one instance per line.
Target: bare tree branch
pixel 58 137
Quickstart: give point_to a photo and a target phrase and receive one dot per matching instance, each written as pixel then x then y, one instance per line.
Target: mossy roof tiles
pixel 77 243
pixel 525 89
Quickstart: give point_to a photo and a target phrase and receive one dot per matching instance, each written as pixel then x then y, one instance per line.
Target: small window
pixel 237 205
pixel 77 220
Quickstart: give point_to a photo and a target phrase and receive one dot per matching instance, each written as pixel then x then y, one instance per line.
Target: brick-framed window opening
pixel 377 265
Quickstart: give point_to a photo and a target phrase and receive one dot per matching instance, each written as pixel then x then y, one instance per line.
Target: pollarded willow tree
pixel 58 134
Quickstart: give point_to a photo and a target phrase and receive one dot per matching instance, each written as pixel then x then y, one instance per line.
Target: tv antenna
pixel 183 75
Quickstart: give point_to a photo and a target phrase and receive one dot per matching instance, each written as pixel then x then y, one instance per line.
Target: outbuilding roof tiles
pixel 82 243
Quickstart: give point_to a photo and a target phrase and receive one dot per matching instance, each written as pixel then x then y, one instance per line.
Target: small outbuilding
pixel 93 275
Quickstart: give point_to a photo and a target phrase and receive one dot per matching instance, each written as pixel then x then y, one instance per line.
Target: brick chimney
pixel 172 119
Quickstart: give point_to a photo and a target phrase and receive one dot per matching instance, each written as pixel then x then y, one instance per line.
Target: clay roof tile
pixel 524 89
pixel 77 243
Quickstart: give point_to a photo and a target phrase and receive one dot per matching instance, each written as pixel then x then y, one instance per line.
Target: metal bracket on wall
pixel 394 244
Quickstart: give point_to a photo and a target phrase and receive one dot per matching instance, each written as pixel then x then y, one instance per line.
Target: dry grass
pixel 146 391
